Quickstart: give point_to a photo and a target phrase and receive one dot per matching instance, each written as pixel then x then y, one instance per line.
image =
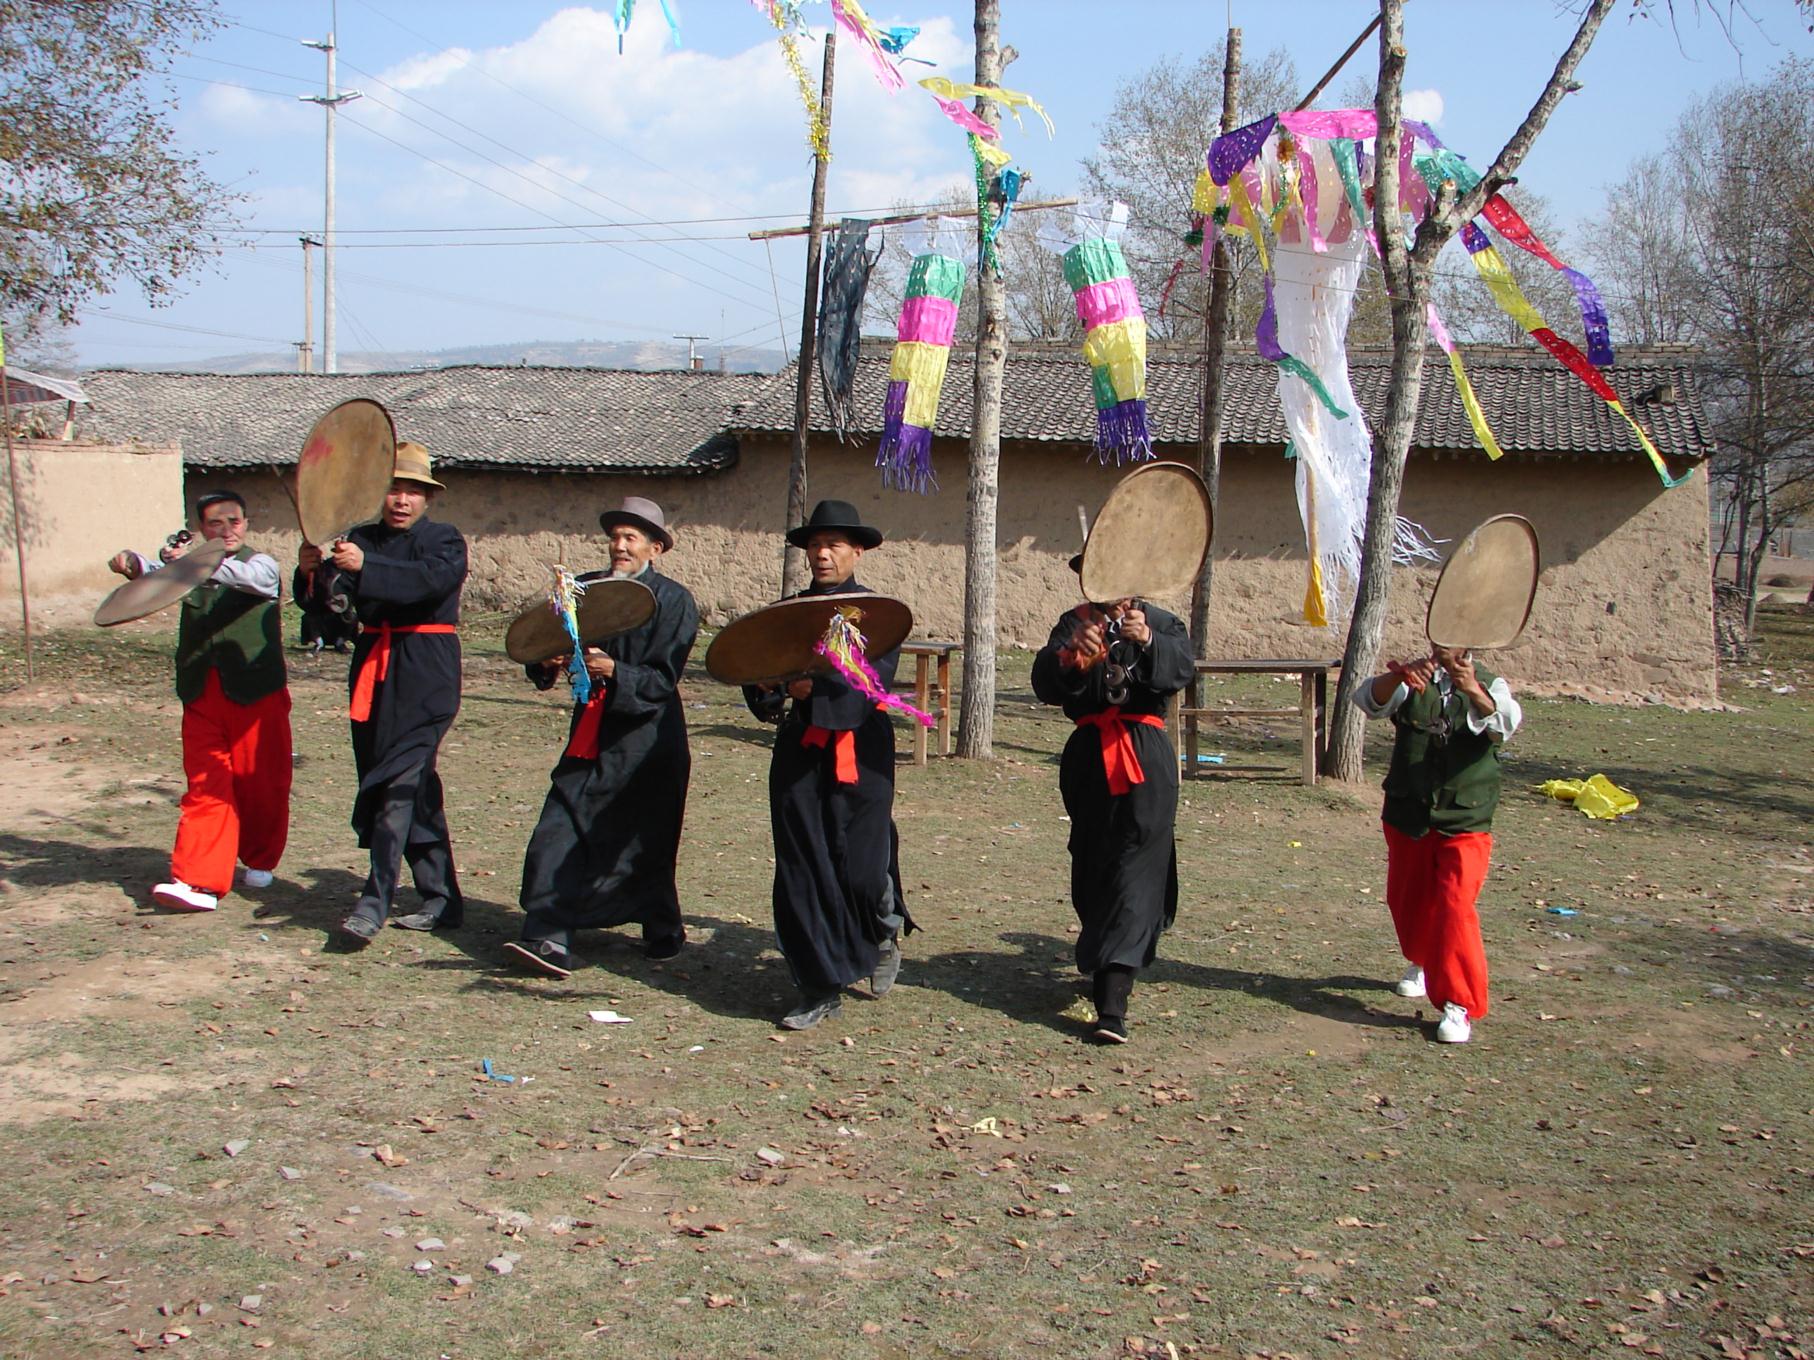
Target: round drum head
pixel 155 590
pixel 776 642
pixel 1483 597
pixel 1150 536
pixel 605 609
pixel 344 469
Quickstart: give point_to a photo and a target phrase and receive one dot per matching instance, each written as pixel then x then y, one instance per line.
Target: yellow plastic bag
pixel 1597 797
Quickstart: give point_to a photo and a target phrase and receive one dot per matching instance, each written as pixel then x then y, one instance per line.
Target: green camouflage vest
pixel 232 632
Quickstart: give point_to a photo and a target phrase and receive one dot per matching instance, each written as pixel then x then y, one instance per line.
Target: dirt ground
pixel 229 1138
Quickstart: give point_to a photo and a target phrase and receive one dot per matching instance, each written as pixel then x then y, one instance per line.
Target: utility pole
pixel 692 353
pixel 333 99
pixel 305 348
pixel 793 561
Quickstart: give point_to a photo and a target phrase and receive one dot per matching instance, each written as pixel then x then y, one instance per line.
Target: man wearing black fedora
pixel 839 911
pixel 604 851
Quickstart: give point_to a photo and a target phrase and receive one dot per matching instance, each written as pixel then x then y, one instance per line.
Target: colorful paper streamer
pixel 916 376
pixel 1114 342
pixel 843 646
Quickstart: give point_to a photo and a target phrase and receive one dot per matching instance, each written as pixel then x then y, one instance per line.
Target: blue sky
pixel 524 115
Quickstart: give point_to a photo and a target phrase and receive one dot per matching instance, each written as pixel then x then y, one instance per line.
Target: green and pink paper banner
pixel 916 375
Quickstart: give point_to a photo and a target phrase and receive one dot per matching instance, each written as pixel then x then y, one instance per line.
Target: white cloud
pixel 251 113
pixel 1424 105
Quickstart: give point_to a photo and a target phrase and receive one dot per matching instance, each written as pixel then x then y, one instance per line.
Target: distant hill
pixel 648 356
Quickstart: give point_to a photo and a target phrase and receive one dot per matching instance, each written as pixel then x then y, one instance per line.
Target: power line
pixel 511 170
pixel 583 187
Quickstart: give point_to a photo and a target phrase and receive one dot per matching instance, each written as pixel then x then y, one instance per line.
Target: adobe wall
pixel 1623 607
pixel 82 503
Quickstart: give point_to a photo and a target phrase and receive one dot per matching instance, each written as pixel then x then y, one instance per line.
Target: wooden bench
pixel 1313 696
pixel 927 694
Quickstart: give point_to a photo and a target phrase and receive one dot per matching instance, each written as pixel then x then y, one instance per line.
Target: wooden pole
pixel 1215 347
pixel 793 561
pixel 12 481
pixel 976 712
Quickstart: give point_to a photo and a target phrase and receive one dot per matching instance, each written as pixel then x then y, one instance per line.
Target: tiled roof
pixel 573 419
pixel 1532 404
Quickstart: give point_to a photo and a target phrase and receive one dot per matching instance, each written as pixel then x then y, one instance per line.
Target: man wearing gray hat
pixel 604 851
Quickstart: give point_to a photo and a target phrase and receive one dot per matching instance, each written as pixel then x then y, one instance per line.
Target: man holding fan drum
pixel 404 576
pixel 1451 716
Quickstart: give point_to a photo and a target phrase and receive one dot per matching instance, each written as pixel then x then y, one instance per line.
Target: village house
pixel 531 455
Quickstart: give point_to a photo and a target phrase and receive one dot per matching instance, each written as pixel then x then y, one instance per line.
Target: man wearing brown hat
pixel 839 910
pixel 404 575
pixel 604 851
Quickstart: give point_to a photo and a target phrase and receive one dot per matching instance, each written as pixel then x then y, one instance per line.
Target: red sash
pixel 377 664
pixel 843 745
pixel 1119 762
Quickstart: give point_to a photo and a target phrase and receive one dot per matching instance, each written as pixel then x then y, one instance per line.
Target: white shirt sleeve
pixel 1506 714
pixel 1363 699
pixel 258 575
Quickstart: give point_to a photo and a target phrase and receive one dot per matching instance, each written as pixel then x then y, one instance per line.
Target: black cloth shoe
pixel 1111 987
pixel 888 968
pixel 1110 1029
pixel 812 1010
pixel 359 930
pixel 448 916
pixel 542 956
pixel 664 946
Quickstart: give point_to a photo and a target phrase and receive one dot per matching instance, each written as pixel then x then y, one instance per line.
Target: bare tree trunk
pixel 1757 552
pixel 976 711
pixel 793 562
pixel 1408 273
pixel 1215 350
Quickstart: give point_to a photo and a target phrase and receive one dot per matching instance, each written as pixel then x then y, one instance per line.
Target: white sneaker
pixel 1454 1027
pixel 1411 984
pixel 179 896
pixel 258 878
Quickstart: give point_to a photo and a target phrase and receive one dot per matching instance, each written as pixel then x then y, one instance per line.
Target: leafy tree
pixel 92 190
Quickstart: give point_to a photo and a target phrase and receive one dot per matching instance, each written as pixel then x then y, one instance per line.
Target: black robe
pixel 411 576
pixel 1124 865
pixel 837 893
pixel 604 851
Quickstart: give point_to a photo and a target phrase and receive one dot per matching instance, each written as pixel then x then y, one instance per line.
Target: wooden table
pixel 925 695
pixel 1313 695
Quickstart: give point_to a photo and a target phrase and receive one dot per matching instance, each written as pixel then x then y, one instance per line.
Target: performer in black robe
pixel 1112 668
pixel 404 575
pixel 604 851
pixel 839 909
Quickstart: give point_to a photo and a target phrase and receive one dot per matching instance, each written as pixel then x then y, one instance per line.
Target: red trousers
pixel 237 758
pixel 1432 883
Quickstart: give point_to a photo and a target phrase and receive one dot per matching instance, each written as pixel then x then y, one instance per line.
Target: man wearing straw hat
pixel 404 575
pixel 236 714
pixel 839 910
pixel 604 850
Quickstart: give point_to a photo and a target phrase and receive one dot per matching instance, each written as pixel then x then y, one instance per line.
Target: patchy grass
pixel 1281 1162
